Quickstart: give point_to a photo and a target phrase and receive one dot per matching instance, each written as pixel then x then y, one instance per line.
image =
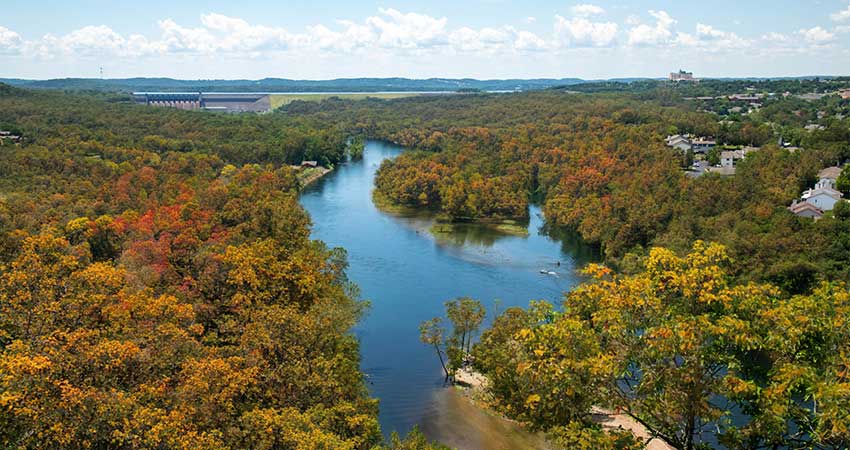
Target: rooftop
pixel 830 172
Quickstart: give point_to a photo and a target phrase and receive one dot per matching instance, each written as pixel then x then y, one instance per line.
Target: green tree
pixel 432 333
pixel 466 315
pixel 842 183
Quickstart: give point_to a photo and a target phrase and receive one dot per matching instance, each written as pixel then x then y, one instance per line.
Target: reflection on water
pixel 458 423
pixel 408 274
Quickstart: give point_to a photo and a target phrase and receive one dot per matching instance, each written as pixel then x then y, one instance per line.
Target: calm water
pixel 407 274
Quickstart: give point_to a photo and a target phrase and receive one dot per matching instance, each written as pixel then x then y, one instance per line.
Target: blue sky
pixel 474 38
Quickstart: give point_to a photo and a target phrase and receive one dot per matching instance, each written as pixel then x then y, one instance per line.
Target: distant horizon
pixel 553 78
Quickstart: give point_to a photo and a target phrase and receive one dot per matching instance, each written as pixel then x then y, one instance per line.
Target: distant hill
pixel 287 85
pixel 355 85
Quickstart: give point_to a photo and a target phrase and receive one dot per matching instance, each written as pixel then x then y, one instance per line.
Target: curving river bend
pixel 407 274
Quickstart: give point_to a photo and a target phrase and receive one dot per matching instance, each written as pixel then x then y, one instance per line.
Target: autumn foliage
pixel 167 299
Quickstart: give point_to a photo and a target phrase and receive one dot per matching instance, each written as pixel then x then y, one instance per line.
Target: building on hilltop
pixel 681 75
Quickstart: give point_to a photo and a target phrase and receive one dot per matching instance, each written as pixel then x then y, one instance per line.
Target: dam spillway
pixel 213 101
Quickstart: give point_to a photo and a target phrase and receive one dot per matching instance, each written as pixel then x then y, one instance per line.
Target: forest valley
pixel 159 287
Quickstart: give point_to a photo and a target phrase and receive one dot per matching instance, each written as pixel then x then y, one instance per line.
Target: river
pixel 407 274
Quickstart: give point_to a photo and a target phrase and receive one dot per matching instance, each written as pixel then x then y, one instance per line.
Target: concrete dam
pixel 211 101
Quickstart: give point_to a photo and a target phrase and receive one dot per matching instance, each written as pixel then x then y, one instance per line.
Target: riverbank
pixel 309 175
pixel 473 385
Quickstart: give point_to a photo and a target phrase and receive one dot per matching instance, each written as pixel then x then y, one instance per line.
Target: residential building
pixel 731 158
pixel 8 136
pixel 830 173
pixel 746 98
pixel 824 198
pixel 703 145
pixel 805 209
pixel 679 142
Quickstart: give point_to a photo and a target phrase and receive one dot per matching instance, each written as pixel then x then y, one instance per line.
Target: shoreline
pixel 472 385
pixel 442 225
pixel 309 176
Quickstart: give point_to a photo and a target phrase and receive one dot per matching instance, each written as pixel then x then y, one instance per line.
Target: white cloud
pixel 10 42
pixel 176 38
pixel 495 39
pixel 842 15
pixel 353 36
pixel 775 37
pixel 817 35
pixel 408 31
pixel 467 39
pixel 658 34
pixel 526 40
pixel 586 10
pixel 393 34
pixel 719 38
pixel 581 32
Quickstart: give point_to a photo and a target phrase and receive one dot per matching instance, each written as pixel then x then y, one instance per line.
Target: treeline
pixel 51 118
pixel 715 87
pixel 169 297
pixel 599 165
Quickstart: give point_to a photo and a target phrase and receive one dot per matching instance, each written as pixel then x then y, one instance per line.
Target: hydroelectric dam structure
pixel 210 101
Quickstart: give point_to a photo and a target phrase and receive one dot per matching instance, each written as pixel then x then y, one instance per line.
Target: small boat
pixel 551 273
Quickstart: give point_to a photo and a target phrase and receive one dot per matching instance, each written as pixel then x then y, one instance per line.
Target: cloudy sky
pixel 321 39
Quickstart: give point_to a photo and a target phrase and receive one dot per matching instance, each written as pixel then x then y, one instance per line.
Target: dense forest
pixel 598 164
pixel 159 289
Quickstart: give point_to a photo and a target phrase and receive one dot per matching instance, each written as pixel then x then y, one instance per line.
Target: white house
pixel 730 158
pixel 679 142
pixel 824 198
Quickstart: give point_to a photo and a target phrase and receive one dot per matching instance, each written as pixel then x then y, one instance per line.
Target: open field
pixel 278 100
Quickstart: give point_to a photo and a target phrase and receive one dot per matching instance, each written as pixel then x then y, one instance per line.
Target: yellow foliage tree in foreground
pixel 694 358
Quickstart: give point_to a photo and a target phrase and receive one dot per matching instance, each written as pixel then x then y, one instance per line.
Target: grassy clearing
pixel 278 100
